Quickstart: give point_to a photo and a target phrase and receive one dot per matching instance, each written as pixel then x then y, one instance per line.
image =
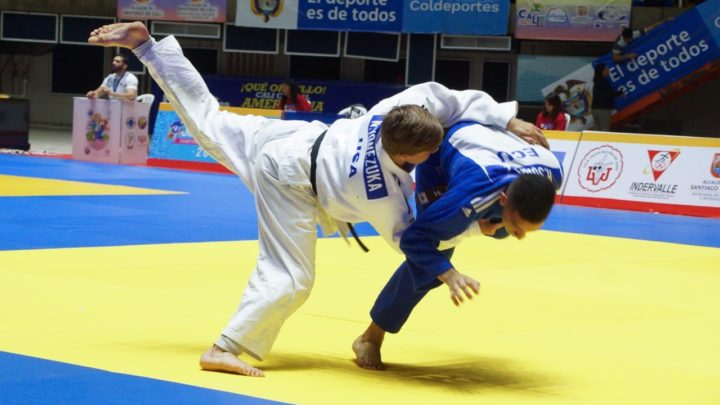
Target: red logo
pixel 715 166
pixel 660 160
pixel 600 168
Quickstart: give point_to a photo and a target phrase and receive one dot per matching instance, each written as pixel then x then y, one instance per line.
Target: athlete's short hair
pixel 410 129
pixel 533 196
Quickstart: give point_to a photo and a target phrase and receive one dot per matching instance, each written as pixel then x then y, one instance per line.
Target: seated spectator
pixel 293 99
pixel 552 115
pixel 118 85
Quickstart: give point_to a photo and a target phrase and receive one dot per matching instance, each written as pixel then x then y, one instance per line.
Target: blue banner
pixel 325 97
pixel 350 15
pixel 479 17
pixel 666 54
pixel 475 17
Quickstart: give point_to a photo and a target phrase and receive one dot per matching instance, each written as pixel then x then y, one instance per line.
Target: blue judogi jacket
pixel 457 186
pixel 461 184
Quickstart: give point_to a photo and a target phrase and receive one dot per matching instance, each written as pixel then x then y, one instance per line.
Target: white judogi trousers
pixel 272 157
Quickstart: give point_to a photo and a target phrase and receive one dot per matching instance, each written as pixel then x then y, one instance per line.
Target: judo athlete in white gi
pixel 361 173
pixel 481 181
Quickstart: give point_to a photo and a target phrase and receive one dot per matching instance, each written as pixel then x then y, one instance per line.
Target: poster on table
pixel 173 10
pixel 110 131
pixel 96 130
pixel 134 134
pixel 571 20
pixel 671 174
pixel 479 17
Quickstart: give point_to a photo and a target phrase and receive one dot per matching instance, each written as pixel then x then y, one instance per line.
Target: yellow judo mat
pixel 23 186
pixel 561 318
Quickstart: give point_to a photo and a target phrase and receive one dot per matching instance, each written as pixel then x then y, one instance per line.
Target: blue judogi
pixel 456 187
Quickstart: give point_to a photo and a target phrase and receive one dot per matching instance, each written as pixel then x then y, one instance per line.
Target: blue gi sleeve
pixel 444 219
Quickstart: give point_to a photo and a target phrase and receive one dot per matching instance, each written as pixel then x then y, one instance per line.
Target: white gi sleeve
pixel 452 106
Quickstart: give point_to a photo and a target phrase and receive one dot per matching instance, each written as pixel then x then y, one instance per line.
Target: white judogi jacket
pixel 356 181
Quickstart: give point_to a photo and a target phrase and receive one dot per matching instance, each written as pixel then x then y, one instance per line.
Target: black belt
pixel 313 160
pixel 313 170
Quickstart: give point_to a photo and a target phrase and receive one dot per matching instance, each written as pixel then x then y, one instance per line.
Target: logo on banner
pixel 557 15
pixel 179 134
pixel 660 161
pixel 266 8
pixel 535 15
pixel 600 168
pixel 715 166
pixel 130 141
pixel 613 13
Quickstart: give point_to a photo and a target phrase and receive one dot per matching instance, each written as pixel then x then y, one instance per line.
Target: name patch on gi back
pixel 372 172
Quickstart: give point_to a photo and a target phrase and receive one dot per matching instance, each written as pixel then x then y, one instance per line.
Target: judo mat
pixel 114 279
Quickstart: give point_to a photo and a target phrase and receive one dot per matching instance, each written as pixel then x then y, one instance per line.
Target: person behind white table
pixel 119 85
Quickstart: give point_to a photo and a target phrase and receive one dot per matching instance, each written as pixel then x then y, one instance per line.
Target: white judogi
pixel 356 181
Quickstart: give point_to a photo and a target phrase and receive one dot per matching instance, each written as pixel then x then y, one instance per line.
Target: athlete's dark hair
pixel 410 129
pixel 533 196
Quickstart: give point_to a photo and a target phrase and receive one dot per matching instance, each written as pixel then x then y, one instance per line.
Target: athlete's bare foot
pixel 125 35
pixel 367 348
pixel 367 355
pixel 216 359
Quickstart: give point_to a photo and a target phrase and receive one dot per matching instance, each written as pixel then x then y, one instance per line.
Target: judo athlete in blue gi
pixel 483 180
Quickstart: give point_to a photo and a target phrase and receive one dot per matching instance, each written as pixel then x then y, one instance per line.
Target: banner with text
pixel 467 17
pixel 479 17
pixel 325 97
pixel 666 54
pixel 670 174
pixel 571 20
pixel 173 10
